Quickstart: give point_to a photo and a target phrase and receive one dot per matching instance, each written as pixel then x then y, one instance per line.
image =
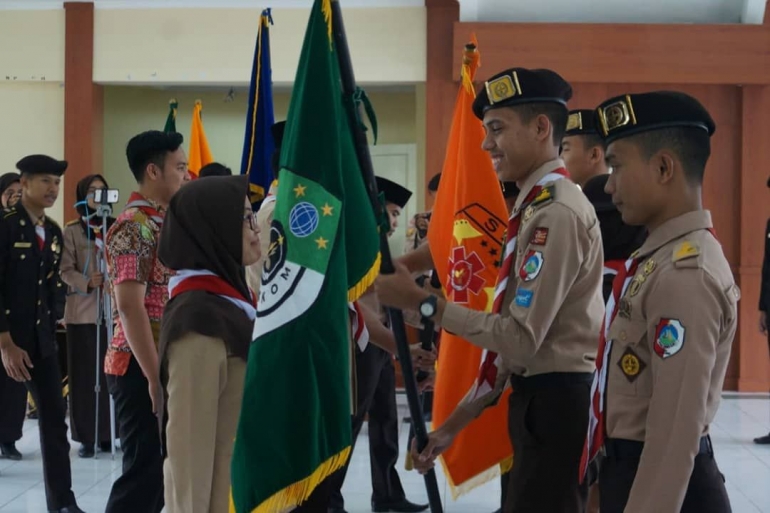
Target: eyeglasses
pixel 251 217
pixel 10 193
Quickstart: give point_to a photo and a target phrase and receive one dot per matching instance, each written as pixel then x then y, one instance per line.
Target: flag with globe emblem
pixel 294 429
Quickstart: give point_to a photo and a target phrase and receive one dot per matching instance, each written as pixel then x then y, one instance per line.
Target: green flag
pixel 294 429
pixel 171 118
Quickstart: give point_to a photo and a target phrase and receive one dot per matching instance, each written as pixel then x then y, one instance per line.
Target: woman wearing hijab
pixel 83 242
pixel 10 189
pixel 209 236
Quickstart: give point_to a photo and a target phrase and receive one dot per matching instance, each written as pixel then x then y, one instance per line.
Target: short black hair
pixel 691 145
pixel 556 113
pixel 150 147
pixel 214 169
pixel 592 141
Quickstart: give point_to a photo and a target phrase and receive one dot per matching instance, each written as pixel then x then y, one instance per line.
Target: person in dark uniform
pixel 671 319
pixel 764 304
pixel 376 396
pixel 31 294
pixel 13 394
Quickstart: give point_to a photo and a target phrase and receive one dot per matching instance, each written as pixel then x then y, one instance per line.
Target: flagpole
pixel 387 267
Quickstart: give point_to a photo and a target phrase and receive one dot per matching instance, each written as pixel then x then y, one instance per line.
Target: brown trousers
pixel 547 424
pixel 205 388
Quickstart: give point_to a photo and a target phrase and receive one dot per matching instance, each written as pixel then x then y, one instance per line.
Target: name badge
pixel 22 245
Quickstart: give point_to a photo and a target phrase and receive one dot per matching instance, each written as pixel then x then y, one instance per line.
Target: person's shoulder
pixel 563 199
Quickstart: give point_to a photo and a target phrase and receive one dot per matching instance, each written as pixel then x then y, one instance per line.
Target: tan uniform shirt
pixel 78 263
pixel 264 219
pixel 550 322
pixel 671 343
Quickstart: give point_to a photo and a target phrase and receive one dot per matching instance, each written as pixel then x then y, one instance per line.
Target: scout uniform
pixel 665 353
pixel 548 307
pixel 376 397
pixel 31 302
pixel 619 240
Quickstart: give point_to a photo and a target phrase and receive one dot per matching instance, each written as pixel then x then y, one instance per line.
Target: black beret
pixel 394 193
pixel 630 114
pixel 581 122
pixel 520 85
pixel 277 129
pixel 433 184
pixel 594 191
pixel 510 189
pixel 41 165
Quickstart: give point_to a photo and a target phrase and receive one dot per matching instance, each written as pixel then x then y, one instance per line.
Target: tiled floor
pixel 746 466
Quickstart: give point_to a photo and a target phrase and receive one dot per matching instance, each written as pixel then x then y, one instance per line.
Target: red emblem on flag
pixel 463 274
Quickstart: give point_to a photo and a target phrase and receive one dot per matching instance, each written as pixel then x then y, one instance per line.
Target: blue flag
pixel 258 143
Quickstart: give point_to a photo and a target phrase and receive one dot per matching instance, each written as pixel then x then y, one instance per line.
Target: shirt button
pixel 23 257
pixel 38 321
pixel 7 312
pixel 39 282
pixel 39 302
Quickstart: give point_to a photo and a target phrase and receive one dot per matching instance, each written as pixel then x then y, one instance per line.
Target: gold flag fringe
pixel 326 8
pixel 477 480
pixel 297 493
pixel 357 290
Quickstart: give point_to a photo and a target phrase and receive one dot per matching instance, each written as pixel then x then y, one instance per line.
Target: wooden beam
pixel 623 53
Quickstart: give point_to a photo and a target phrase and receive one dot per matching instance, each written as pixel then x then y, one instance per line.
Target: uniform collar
pixel 531 180
pixel 676 228
pixel 35 221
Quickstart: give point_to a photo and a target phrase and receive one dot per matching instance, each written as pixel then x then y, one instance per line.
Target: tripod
pixel 103 318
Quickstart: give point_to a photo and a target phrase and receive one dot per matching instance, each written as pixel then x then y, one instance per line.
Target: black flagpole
pixel 396 316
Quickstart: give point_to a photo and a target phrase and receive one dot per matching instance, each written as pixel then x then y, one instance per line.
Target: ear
pixel 596 155
pixel 665 163
pixel 152 171
pixel 542 127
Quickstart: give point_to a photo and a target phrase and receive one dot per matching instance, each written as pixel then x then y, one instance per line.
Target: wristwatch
pixel 428 307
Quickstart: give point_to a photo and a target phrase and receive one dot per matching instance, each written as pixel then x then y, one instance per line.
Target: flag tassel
pixel 297 493
pixel 357 290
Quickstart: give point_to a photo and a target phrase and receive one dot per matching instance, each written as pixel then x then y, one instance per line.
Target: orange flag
pixel 466 233
pixel 200 154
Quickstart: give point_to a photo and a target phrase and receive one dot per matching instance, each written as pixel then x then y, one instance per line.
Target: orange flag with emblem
pixel 466 232
pixel 200 154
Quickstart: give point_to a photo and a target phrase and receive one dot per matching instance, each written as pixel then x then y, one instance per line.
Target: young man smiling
pixel 541 334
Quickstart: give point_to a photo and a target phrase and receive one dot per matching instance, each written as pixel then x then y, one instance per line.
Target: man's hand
pixel 155 394
pixel 421 359
pixel 427 384
pixel 96 281
pixel 15 360
pixel 398 290
pixel 763 323
pixel 438 442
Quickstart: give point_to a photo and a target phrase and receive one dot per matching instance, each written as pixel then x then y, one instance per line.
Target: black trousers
pixel 140 487
pixel 46 390
pixel 547 423
pixel 81 365
pixel 13 408
pixel 706 491
pixel 376 396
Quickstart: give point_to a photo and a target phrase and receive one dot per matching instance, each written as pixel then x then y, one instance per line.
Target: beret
pixel 631 114
pixel 517 86
pixel 41 165
pixel 394 193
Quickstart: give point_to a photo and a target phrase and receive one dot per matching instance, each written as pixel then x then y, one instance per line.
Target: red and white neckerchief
pixel 40 232
pixel 490 360
pixel 613 267
pixel 138 201
pixel 187 280
pixel 358 326
pixel 596 421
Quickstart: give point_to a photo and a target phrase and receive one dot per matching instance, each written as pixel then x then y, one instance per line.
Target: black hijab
pixel 7 180
pixel 203 230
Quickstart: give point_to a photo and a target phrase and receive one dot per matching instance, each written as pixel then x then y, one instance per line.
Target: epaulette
pixel 73 222
pixel 9 212
pixel 546 195
pixel 684 254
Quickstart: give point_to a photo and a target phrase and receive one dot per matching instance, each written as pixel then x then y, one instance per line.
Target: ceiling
pixel 576 11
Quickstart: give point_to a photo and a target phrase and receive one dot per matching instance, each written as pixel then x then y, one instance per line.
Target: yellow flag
pixel 200 154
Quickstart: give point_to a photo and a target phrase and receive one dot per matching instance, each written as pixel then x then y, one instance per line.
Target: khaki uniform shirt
pixel 264 219
pixel 551 316
pixel 671 343
pixel 78 263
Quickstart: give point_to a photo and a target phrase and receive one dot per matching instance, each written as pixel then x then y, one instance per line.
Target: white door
pixel 398 163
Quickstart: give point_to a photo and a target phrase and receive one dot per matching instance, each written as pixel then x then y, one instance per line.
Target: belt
pixel 624 449
pixel 551 379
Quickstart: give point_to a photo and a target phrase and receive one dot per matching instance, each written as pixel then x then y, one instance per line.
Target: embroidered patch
pixel 631 365
pixel 684 250
pixel 539 236
pixel 533 262
pixel 524 297
pixel 669 338
pixel 649 267
pixel 624 308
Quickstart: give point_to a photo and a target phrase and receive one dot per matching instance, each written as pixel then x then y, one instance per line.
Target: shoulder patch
pixel 72 223
pixel 9 212
pixel 684 250
pixel 546 195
